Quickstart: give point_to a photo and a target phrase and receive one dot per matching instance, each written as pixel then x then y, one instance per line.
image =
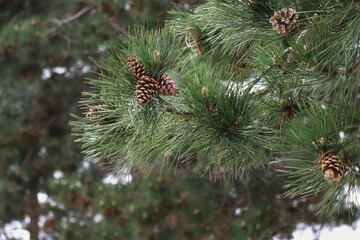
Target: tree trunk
pixel 33 209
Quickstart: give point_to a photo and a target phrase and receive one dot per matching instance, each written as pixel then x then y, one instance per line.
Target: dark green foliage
pixel 249 97
pixel 183 205
pixel 227 118
pixel 156 49
pixel 313 132
pixel 225 131
pixel 116 91
pixel 44 57
pixel 248 94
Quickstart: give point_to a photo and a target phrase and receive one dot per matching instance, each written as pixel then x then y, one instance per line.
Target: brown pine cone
pixel 146 89
pixel 332 167
pixel 167 85
pixel 136 67
pixel 284 21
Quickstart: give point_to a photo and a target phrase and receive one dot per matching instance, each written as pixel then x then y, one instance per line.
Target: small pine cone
pixel 332 167
pixel 95 111
pixel 136 67
pixel 167 85
pixel 284 21
pixel 146 89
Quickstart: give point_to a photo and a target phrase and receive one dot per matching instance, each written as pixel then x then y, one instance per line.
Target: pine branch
pixel 218 124
pixel 69 19
pixel 78 14
pixel 73 17
pixel 326 71
pixel 325 5
pixel 28 157
pixel 170 110
pixel 258 78
pixel 117 27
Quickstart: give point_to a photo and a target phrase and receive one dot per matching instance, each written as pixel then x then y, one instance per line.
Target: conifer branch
pixel 117 27
pixel 324 70
pixel 170 110
pixel 28 157
pixel 78 14
pixel 69 19
pixel 258 78
pixel 325 5
pixel 231 124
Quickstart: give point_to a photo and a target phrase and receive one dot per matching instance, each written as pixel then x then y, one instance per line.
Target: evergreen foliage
pixel 252 103
pixel 44 56
pixel 249 96
pixel 183 205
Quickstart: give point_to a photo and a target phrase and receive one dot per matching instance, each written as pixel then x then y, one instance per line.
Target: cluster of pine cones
pixel 147 87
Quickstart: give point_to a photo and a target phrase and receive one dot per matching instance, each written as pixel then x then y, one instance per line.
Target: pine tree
pixel 263 84
pixel 245 92
pixel 44 54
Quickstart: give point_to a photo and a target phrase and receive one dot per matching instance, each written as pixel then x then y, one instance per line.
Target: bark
pixel 33 210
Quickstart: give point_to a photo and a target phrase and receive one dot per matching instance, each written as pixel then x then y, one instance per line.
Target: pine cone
pixel 167 85
pixel 332 167
pixel 136 67
pixel 284 21
pixel 146 89
pixel 94 111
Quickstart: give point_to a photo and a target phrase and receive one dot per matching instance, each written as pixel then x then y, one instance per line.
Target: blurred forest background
pixel 47 188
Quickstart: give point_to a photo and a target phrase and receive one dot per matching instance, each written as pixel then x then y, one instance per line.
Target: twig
pixel 181 200
pixel 334 73
pixel 68 41
pixel 169 110
pixel 354 67
pixel 118 27
pixel 27 157
pixel 267 182
pixel 320 44
pixel 256 80
pixel 69 19
pixel 78 14
pixel 324 70
pixel 325 5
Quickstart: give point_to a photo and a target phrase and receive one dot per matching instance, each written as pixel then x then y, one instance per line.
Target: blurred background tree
pixel 44 55
pixel 45 48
